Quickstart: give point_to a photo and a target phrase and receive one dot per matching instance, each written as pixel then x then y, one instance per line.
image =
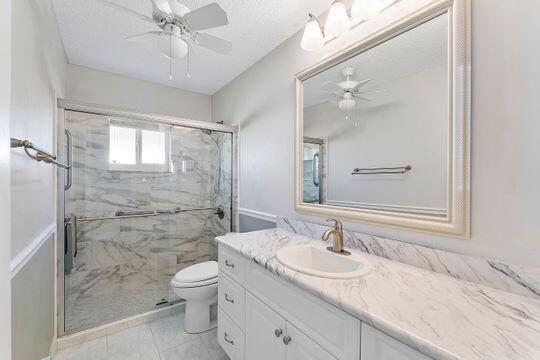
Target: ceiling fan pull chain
pixel 188 62
pixel 170 56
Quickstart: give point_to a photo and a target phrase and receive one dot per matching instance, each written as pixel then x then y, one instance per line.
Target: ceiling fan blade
pixel 214 43
pixel 162 5
pixel 361 98
pixel 326 83
pixel 335 93
pixel 360 84
pixel 206 17
pixel 372 91
pixel 126 10
pixel 144 37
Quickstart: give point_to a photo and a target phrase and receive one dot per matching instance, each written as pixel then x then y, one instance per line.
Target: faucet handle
pixel 337 223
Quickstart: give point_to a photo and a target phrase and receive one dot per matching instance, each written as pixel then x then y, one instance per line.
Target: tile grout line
pixel 154 341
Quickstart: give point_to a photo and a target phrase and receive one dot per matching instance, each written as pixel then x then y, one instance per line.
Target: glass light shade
pixel 366 9
pixel 347 104
pixel 313 38
pixel 172 46
pixel 337 21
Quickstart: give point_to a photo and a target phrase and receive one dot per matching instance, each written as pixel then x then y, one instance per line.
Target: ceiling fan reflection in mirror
pixel 180 28
pixel 348 91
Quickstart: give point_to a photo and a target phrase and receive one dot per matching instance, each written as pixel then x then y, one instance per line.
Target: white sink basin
pixel 317 261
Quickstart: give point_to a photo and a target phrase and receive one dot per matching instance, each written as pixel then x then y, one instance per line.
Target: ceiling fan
pixel 348 90
pixel 180 28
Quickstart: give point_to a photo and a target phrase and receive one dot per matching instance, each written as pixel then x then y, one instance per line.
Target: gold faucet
pixel 337 231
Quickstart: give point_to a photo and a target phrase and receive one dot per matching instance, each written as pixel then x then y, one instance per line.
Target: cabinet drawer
pixel 230 337
pixel 231 299
pixel 231 264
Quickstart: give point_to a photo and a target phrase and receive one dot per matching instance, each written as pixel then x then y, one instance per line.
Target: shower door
pixel 146 200
pixel 313 170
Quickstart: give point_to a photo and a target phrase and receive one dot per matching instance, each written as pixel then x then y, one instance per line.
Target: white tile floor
pixel 162 339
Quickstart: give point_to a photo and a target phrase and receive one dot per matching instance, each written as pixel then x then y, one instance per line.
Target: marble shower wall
pixel 516 279
pixel 123 267
pixel 223 185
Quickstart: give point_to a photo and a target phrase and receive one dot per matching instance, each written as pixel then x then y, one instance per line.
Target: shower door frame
pixel 64 105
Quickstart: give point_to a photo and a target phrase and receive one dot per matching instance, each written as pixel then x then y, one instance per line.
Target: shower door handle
pixel 69 138
pixel 227 339
pixel 315 166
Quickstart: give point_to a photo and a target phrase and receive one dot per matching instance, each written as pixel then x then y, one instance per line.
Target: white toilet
pixel 198 285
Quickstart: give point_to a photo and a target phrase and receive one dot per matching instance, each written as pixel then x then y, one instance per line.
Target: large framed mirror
pixel 382 127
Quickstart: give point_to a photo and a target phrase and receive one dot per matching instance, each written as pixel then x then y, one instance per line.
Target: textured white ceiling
pixel 421 48
pixel 94 35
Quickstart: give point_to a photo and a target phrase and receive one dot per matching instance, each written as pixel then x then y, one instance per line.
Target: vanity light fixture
pixel 313 38
pixel 338 21
pixel 363 10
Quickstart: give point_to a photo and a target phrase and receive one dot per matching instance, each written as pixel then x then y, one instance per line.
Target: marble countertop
pixel 440 316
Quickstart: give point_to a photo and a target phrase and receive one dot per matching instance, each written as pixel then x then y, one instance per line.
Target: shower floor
pixel 106 299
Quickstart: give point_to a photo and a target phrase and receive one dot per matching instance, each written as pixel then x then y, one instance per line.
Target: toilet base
pixel 197 318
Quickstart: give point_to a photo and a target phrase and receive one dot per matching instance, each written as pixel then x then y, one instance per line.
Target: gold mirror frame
pixel 457 220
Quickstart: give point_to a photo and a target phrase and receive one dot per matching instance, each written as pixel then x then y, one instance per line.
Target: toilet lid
pixel 204 271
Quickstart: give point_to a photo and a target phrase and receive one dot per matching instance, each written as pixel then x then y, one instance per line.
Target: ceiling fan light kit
pixel 339 22
pixel 171 44
pixel 180 28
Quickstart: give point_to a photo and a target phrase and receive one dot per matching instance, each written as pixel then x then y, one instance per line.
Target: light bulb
pixel 313 37
pixel 366 9
pixel 337 21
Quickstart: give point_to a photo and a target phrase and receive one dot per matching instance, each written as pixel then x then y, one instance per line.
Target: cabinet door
pixel 376 345
pixel 264 331
pixel 300 347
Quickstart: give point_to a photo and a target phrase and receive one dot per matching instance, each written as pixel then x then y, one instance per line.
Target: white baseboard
pixel 258 214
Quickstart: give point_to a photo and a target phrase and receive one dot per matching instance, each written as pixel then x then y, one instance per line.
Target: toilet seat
pixel 198 275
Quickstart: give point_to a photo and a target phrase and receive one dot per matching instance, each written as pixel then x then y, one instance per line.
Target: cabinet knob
pixel 286 340
pixel 278 332
pixel 227 263
pixel 226 337
pixel 227 298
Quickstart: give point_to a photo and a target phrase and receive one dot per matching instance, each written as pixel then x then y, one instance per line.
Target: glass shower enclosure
pixel 144 199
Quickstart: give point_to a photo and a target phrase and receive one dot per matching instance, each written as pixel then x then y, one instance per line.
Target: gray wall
pixel 505 128
pixel 32 297
pixel 247 223
pixel 103 88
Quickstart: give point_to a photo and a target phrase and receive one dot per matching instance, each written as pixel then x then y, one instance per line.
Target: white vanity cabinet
pixel 270 337
pixel 263 317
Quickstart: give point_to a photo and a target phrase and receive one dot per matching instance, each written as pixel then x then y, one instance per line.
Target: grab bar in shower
pixel 147 213
pixel 382 170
